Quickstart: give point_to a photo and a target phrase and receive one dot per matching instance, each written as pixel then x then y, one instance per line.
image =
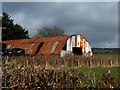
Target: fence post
pixel 100 62
pixel 55 63
pixel 6 61
pixel 110 62
pixel 27 63
pixel 46 64
pixel 83 73
pixel 89 62
pixel 73 62
pixel 78 63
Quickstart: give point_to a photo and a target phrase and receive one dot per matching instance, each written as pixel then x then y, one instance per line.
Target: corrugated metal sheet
pixel 73 41
pixel 46 49
pixel 78 40
pixel 68 45
pixel 81 42
pixel 54 46
pixel 8 46
pixel 30 48
pixel 20 41
pixel 34 48
pixel 63 53
pixel 51 44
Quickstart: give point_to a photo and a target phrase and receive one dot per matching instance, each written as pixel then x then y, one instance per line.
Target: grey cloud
pixel 97 22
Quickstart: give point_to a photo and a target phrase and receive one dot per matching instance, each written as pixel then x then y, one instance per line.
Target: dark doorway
pixel 77 51
pixel 40 45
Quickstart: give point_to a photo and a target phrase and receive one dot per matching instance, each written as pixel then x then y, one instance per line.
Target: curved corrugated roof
pixel 19 41
pixel 30 45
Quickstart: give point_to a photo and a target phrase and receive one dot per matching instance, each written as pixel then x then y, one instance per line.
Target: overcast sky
pixel 96 21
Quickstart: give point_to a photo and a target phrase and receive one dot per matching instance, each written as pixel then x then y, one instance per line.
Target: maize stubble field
pixel 48 72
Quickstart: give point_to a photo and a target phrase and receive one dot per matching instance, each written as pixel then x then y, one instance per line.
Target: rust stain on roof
pixel 34 48
pixel 45 49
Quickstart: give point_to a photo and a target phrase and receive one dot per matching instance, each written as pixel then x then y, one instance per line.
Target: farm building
pixel 59 45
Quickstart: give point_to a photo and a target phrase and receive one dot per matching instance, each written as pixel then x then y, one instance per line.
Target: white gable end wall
pixel 76 41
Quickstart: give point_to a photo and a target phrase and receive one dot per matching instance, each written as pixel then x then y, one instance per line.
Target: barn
pixel 58 45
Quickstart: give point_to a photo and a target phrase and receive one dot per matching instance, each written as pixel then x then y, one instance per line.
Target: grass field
pixel 99 71
pixel 108 54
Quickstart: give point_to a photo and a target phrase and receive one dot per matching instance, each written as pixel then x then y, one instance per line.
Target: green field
pixel 107 54
pixel 105 50
pixel 99 71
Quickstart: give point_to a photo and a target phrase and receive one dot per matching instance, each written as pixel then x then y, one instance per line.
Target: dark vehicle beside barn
pixel 16 52
pixel 5 51
pixel 13 52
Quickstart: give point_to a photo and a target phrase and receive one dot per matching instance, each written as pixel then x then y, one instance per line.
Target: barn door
pixel 77 50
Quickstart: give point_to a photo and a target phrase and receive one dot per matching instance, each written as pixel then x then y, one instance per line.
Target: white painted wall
pixel 71 43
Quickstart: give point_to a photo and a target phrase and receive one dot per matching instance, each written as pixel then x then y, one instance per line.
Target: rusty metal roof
pixel 31 45
pixel 19 41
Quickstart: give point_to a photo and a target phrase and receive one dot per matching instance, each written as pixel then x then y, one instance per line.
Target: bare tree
pixel 48 32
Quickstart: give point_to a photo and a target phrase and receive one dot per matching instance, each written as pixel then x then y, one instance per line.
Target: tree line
pixel 11 31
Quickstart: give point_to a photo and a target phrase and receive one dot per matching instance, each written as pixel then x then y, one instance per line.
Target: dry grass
pixel 69 61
